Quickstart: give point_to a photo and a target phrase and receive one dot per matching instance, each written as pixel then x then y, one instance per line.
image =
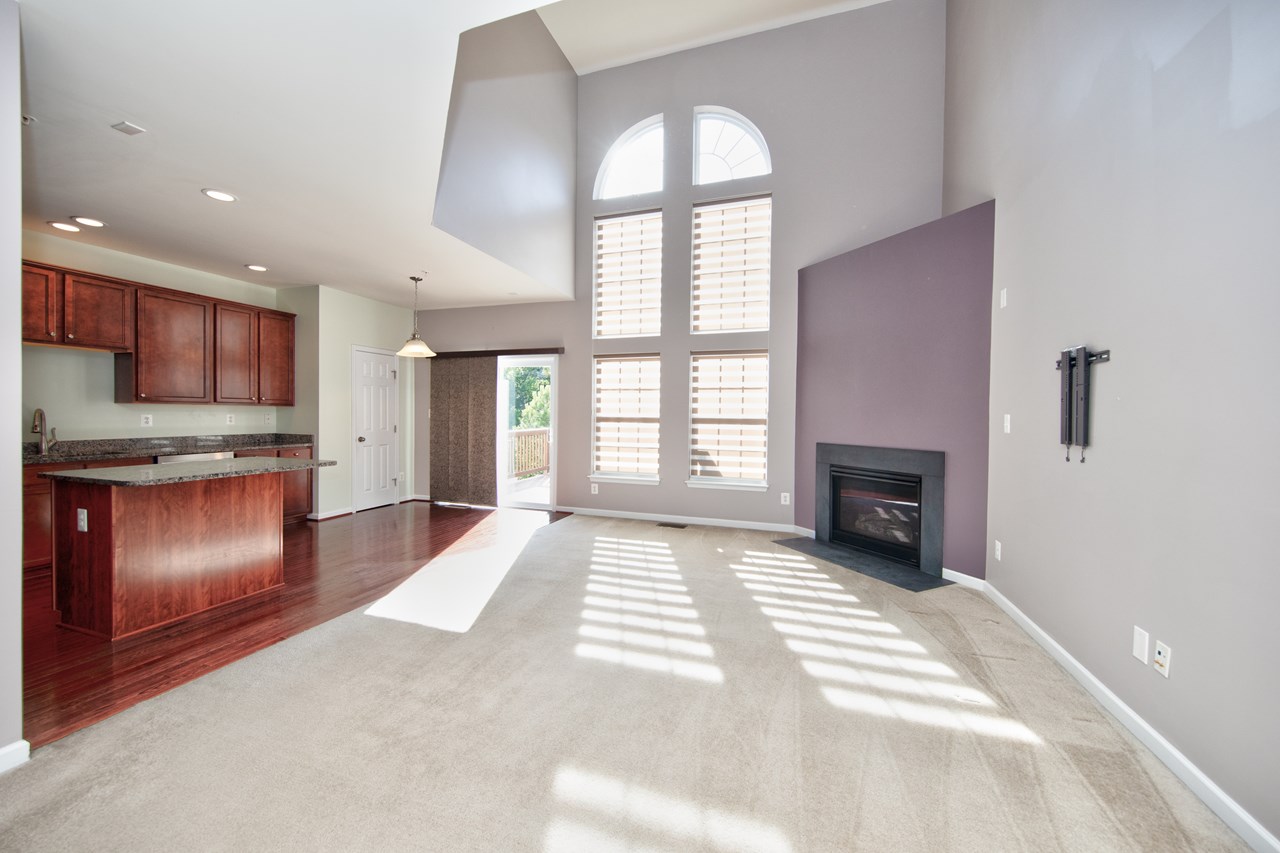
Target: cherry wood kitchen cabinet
pixel 236 357
pixel 41 305
pixel 297 484
pixel 37 506
pixel 275 359
pixel 74 309
pixel 254 356
pixel 172 360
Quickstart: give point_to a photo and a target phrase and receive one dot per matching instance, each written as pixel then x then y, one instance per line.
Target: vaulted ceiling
pixel 325 118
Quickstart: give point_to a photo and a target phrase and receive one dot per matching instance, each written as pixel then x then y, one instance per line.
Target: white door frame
pixel 356 349
pixel 552 362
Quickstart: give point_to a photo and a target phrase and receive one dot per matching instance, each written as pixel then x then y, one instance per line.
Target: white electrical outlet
pixel 1141 644
pixel 267 419
pixel 147 420
pixel 82 520
pixel 1004 297
pixel 595 488
pixel 786 499
pixel 1163 653
pixel 231 419
pixel 1008 423
pixel 997 549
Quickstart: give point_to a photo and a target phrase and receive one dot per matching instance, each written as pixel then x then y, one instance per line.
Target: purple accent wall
pixel 894 351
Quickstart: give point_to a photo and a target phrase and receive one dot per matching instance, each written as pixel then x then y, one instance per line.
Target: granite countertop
pixel 102 449
pixel 184 472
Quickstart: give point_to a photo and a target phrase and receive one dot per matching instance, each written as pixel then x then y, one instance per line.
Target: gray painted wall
pixel 851 109
pixel 506 176
pixel 1132 148
pixel 10 382
pixel 894 341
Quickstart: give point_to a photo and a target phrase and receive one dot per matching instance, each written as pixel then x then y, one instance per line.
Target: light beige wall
pixel 1132 151
pixel 12 748
pixel 346 321
pixel 851 109
pixel 76 388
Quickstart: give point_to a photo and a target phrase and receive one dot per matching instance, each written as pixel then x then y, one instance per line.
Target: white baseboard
pixel 1255 834
pixel 680 519
pixel 965 580
pixel 321 516
pixel 416 498
pixel 804 531
pixel 16 753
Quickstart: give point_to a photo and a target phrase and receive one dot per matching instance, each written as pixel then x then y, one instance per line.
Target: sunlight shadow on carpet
pixel 450 592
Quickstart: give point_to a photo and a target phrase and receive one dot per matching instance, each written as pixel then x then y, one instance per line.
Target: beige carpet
pixel 628 688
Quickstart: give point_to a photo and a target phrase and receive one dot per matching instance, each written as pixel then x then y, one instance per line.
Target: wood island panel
pixel 155 554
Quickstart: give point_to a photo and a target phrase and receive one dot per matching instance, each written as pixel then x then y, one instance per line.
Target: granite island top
pixel 102 449
pixel 184 472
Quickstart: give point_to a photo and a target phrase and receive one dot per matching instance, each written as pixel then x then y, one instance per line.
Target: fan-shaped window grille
pixel 729 147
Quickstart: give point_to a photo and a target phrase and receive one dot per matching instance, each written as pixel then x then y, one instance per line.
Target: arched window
pixel 634 163
pixel 728 147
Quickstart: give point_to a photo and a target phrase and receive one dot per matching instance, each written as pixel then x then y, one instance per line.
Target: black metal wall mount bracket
pixel 1074 388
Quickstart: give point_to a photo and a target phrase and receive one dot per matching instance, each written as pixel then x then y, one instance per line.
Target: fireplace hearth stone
pixel 903 577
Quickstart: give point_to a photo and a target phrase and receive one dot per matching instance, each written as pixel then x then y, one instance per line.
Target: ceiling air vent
pixel 129 128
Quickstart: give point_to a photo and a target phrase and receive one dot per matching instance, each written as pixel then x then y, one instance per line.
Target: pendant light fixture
pixel 415 347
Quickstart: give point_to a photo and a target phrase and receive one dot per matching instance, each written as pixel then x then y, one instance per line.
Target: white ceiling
pixel 325 118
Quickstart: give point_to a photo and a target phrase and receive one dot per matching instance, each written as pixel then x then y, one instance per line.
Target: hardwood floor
pixel 72 680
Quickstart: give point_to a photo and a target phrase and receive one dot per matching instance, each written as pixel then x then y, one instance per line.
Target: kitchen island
pixel 140 546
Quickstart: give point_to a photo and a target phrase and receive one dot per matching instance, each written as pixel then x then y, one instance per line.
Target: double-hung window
pixel 728 419
pixel 625 417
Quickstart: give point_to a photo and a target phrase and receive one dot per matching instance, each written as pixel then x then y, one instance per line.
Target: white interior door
pixel 375 428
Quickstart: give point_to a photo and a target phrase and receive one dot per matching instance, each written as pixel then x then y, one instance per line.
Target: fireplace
pixel 877 511
pixel 883 501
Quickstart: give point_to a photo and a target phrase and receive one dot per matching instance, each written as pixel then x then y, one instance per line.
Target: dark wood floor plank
pixel 73 680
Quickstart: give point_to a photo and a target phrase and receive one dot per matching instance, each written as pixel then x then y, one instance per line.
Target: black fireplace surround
pixel 892 506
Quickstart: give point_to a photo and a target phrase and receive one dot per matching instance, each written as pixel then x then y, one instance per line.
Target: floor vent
pixel 672 524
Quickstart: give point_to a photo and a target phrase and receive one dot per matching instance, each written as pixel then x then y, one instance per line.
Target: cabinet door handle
pixel 142 395
pixel 51 334
pixel 254 399
pixel 70 336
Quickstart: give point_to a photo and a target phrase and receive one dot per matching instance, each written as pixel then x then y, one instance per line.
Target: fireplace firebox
pixel 877 511
pixel 882 500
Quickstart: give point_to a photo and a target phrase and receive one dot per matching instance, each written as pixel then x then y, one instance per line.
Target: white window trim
pixel 629 479
pixel 727 485
pixel 620 143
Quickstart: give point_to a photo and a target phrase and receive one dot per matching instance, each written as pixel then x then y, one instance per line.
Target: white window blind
pixel 628 275
pixel 731 242
pixel 625 432
pixel 729 417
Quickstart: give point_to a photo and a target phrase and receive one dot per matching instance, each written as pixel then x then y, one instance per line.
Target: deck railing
pixel 529 453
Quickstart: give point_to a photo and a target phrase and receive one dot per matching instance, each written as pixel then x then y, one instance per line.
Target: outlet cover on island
pixel 1163 653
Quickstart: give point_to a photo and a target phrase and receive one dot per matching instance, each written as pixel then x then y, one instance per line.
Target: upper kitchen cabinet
pixel 77 310
pixel 275 358
pixel 254 356
pixel 97 312
pixel 172 360
pixel 41 305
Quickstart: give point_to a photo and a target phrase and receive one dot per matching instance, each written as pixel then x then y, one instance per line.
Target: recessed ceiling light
pixel 255 267
pixel 218 195
pixel 64 226
pixel 92 223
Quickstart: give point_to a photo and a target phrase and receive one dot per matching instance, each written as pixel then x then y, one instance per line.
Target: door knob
pixel 361 438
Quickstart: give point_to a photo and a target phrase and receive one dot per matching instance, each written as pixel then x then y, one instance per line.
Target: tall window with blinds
pixel 731 249
pixel 625 430
pixel 628 275
pixel 729 416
